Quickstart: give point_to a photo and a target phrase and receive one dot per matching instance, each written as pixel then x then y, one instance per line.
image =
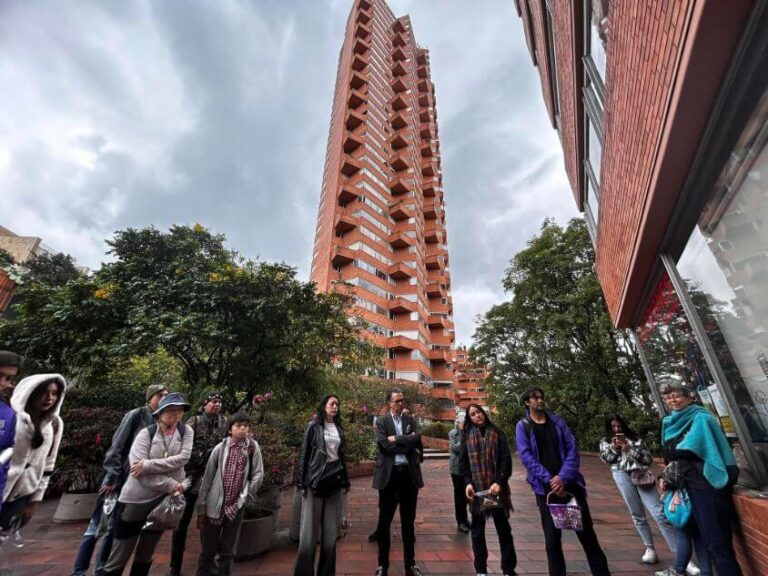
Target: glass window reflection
pixel 725 268
pixel 598 35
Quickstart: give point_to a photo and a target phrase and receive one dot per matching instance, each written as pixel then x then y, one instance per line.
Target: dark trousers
pixel 179 540
pixel 218 539
pixel 713 513
pixel 506 543
pixel 459 499
pixel 400 490
pixel 598 563
pixel 90 538
pixel 11 512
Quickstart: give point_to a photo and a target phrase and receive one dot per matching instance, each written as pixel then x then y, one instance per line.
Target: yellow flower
pixel 199 228
pixel 104 292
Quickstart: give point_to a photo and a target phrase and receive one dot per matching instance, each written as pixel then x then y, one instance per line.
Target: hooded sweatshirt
pixel 31 468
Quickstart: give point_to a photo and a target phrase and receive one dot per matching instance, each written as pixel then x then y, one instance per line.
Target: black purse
pixel 331 482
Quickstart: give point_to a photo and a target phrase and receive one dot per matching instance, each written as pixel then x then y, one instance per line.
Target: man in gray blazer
pixel 397 478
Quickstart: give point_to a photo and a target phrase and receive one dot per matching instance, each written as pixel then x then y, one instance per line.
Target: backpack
pixel 152 429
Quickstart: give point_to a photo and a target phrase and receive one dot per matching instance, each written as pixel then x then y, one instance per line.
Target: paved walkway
pixel 50 548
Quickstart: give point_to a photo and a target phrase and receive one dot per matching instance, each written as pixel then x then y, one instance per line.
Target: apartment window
pixel 596 39
pixel 552 66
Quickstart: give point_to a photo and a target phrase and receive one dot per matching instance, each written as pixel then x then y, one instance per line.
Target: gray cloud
pixel 135 113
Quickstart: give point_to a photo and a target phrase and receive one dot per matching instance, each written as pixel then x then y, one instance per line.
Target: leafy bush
pixel 436 430
pixel 86 438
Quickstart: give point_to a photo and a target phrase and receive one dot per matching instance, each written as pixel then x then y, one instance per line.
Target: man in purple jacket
pixel 548 451
pixel 10 363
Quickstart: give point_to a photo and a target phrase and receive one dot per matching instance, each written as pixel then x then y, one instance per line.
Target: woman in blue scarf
pixel 692 437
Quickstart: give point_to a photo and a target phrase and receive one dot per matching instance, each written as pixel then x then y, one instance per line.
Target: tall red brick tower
pixel 381 221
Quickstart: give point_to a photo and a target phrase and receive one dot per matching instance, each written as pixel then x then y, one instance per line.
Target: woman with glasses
pixel 692 437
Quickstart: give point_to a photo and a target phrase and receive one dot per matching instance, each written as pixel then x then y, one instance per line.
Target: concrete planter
pixel 75 507
pixel 255 536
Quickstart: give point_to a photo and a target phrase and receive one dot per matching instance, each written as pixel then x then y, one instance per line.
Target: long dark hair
pixel 626 429
pixel 321 411
pixel 468 421
pixel 31 407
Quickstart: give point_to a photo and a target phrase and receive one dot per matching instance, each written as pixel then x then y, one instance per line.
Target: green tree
pixel 6 260
pixel 556 333
pixel 51 269
pixel 232 324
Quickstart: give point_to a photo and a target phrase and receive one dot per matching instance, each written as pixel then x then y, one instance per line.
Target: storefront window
pixel 673 353
pixel 725 268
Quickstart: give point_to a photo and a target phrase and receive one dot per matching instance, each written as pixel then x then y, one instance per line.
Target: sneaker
pixel 669 572
pixel 692 569
pixel 650 556
pixel 413 571
pixel 463 528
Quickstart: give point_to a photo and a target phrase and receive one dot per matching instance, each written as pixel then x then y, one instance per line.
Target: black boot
pixel 140 568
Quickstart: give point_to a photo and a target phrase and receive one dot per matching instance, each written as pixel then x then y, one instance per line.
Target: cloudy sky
pixel 131 113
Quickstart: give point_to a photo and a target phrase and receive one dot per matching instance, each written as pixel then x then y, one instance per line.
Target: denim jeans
pixel 638 499
pixel 319 521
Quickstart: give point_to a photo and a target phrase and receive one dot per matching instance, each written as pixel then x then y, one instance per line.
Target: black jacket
pixel 313 455
pixel 116 463
pixel 408 443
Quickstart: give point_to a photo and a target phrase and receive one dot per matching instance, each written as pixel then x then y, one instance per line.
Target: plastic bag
pixel 166 515
pixel 109 503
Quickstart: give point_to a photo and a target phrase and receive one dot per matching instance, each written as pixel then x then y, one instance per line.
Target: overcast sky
pixel 131 113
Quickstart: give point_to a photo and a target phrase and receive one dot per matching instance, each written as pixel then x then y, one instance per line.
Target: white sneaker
pixel 692 569
pixel 669 572
pixel 650 556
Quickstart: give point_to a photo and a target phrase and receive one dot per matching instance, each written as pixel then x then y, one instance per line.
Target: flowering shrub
pixel 84 443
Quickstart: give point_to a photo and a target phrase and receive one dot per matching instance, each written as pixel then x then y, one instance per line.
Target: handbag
pixel 673 474
pixel 166 515
pixel 642 477
pixel 485 502
pixel 566 516
pixel 677 507
pixel 331 481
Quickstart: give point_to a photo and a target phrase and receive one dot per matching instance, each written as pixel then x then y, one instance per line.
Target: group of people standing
pixel 214 465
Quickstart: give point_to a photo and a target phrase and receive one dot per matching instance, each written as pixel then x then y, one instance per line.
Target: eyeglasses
pixel 401 401
pixel 675 396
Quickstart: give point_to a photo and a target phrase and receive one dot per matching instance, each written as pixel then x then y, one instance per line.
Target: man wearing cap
pixel 157 459
pixel 10 363
pixel 210 428
pixel 117 468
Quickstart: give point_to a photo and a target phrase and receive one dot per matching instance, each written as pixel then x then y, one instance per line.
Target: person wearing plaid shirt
pixel 232 477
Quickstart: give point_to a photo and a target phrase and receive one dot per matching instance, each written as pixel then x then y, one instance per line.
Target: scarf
pixel 482 460
pixel 705 438
pixel 234 476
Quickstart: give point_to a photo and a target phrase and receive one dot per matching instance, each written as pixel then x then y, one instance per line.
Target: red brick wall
pixel 751 537
pixel 439 443
pixel 644 46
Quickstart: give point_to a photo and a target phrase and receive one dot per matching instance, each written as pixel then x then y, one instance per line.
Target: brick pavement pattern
pixel 50 548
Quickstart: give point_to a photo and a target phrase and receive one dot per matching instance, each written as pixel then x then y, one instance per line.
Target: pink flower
pixel 275 469
pixel 98 439
pixel 364 409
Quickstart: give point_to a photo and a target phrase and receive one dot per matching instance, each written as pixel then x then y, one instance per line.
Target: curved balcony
pixel 401 211
pixel 346 222
pixel 422 71
pixel 444 392
pixel 422 57
pixel 440 355
pixel 355 99
pixel 398 102
pixel 399 85
pixel 400 240
pixel 342 255
pixel 359 63
pixel 348 194
pixel 400 271
pixel 400 305
pixel 354 119
pixel 362 31
pixel 398 26
pixel 399 121
pixel 428 150
pixel 398 69
pixel 429 187
pixel 434 262
pixel 361 46
pixel 350 166
pixel 399 54
pixel 400 140
pixel 399 185
pixel 352 141
pixel 402 343
pixel 426 131
pixel 428 167
pixel 400 161
pixel 399 40
pixel 426 100
pixel 435 321
pixel 357 80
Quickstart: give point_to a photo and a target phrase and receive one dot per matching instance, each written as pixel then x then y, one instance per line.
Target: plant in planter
pixel 87 436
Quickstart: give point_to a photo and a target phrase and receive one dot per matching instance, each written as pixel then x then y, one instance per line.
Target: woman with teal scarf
pixel 692 436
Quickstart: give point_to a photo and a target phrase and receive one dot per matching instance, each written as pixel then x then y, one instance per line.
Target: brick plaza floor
pixel 50 548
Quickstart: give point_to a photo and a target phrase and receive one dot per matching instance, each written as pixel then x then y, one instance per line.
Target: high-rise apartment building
pixel 381 221
pixel 469 380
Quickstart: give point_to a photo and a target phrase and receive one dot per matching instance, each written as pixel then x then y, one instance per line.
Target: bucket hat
pixel 172 399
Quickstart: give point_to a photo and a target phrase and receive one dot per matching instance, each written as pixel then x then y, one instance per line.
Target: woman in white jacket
pixel 157 457
pixel 37 401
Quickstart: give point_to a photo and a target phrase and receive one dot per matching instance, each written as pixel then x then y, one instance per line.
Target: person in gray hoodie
pixel 232 477
pixel 37 401
pixel 157 460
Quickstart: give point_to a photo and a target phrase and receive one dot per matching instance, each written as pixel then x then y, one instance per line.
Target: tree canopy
pixel 555 332
pixel 231 324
